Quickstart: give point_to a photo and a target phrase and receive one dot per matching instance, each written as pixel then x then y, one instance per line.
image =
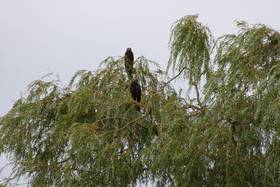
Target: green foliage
pixel 225 133
pixel 191 44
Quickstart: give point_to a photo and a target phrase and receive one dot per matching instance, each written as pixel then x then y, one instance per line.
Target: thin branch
pixel 125 126
pixel 42 164
pixel 180 72
pixel 131 122
pixel 197 95
pixel 188 105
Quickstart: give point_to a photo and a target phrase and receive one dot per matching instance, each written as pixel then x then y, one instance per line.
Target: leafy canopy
pixel 224 132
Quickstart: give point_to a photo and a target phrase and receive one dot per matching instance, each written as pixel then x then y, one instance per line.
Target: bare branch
pixel 197 95
pixel 180 72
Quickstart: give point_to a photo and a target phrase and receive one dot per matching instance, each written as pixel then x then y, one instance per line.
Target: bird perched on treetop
pixel 135 91
pixel 128 62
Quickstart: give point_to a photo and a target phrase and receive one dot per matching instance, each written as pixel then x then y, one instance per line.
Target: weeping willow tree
pixel 224 131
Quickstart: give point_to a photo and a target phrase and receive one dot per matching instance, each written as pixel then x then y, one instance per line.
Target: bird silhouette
pixel 128 62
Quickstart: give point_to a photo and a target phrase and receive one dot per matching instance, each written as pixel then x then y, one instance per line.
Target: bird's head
pixel 128 49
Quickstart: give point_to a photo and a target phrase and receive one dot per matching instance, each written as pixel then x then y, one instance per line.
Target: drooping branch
pixel 176 76
pixel 197 95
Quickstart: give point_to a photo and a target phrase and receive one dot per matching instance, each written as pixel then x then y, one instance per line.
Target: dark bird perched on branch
pixel 128 62
pixel 135 91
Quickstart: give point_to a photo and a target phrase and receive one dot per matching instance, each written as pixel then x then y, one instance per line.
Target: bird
pixel 135 91
pixel 128 62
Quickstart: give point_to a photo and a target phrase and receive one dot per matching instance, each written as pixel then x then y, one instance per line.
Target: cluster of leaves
pixel 226 133
pixel 191 44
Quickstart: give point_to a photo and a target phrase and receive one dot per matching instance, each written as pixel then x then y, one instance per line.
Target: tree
pixel 224 132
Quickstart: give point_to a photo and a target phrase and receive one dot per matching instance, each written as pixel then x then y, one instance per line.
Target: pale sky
pixel 62 36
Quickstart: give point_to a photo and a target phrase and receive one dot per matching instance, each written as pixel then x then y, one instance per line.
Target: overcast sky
pixel 62 36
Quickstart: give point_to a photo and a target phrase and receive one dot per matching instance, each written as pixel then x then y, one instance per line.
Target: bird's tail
pixel 138 108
